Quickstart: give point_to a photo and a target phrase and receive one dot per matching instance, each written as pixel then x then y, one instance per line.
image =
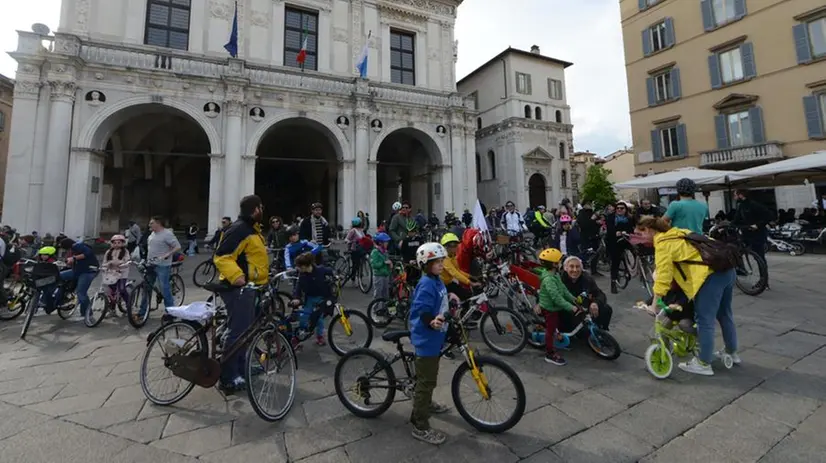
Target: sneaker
pixel 449 355
pixel 319 341
pixel 555 359
pixel 697 367
pixel 614 287
pixel 735 357
pixel 437 408
pixel 431 436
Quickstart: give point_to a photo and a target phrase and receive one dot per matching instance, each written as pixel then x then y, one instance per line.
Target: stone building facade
pixel 6 97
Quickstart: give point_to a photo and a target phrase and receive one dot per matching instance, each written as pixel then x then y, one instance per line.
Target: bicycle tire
pixel 342 267
pixel 763 272
pixel 607 339
pixel 65 313
pixel 492 316
pixel 31 308
pixel 367 270
pixel 89 319
pixel 372 313
pixel 334 322
pixel 154 339
pixel 208 270
pixel 798 249
pixel 624 276
pixel 387 371
pixel 19 299
pixel 177 282
pixel 484 362
pixel 288 349
pixel 134 308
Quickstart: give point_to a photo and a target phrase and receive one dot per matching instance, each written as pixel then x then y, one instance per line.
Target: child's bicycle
pixel 381 311
pixel 370 390
pixel 106 301
pixel 666 343
pixel 600 341
pixel 342 335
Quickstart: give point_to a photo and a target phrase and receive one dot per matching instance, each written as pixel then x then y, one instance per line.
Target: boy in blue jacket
pixel 427 333
pixel 296 247
pixel 313 284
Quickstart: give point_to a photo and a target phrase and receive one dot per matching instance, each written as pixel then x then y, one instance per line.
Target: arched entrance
pixel 297 165
pixel 156 162
pixel 405 171
pixel 536 190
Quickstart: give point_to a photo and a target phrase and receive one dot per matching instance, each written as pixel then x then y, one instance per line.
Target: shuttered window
pixel 167 24
pixel 300 25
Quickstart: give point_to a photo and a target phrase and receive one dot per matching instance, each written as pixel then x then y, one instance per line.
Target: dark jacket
pixel 654 210
pixel 242 252
pixel 750 212
pixel 585 284
pixel 409 246
pixel 467 219
pixel 572 241
pixel 314 284
pixel 588 227
pixel 305 230
pixel 611 229
pixel 277 238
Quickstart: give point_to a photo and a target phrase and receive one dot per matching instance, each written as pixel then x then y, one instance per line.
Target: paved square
pixel 71 394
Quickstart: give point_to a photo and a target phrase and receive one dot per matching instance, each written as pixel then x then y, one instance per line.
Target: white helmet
pixel 430 251
pixel 397 206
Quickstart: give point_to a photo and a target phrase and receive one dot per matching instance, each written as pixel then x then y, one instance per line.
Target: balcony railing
pixel 179 63
pixel 769 151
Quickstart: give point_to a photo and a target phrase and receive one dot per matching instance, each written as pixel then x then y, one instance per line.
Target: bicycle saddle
pixel 395 336
pixel 218 287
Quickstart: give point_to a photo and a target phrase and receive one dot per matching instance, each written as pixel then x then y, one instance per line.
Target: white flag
pixel 479 217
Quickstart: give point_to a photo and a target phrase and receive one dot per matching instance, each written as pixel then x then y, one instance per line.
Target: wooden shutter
pixel 676 84
pixel 714 71
pixel 646 42
pixel 739 8
pixel 758 132
pixel 814 120
pixel 656 145
pixel 652 94
pixel 801 43
pixel 720 131
pixel 669 32
pixel 708 15
pixel 747 57
pixel 682 140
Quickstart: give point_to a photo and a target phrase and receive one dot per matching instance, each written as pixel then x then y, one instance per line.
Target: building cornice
pixel 522 123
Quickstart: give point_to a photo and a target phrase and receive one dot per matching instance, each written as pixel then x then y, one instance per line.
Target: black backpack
pixel 716 254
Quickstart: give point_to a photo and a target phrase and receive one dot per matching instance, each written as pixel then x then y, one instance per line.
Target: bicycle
pixel 40 277
pixel 748 259
pixel 513 329
pixel 600 341
pixel 381 311
pixel 342 319
pixel 204 273
pixel 110 301
pixel 192 358
pixel 358 395
pixel 17 290
pixel 176 286
pixel 363 275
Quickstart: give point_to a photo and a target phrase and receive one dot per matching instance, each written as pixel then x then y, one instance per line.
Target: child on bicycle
pixel 295 247
pixel 679 310
pixel 382 266
pixel 554 297
pixel 410 244
pixel 46 254
pixel 355 245
pixel 115 270
pixel 314 285
pixel 427 334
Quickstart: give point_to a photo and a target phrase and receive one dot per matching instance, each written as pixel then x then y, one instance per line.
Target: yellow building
pixel 6 97
pixel 726 84
pixel 580 162
pixel 621 163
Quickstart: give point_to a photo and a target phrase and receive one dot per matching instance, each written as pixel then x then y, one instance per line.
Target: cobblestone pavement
pixel 72 394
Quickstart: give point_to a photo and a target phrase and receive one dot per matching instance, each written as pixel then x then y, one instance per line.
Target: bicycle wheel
pixel 342 267
pixel 170 339
pixel 496 375
pixel 204 273
pixel 18 299
pixel 66 309
pixel 373 389
pixel 503 331
pixel 623 276
pixel 798 249
pixel 133 310
pixel 604 345
pixel 31 308
pixel 751 264
pixel 97 310
pixel 379 313
pixel 365 276
pixel 178 289
pixel 271 357
pixel 361 332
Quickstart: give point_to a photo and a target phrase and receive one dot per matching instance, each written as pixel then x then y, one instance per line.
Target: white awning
pixel 786 172
pixel 669 179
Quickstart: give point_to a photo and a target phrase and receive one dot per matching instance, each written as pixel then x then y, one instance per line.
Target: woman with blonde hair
pixel 678 260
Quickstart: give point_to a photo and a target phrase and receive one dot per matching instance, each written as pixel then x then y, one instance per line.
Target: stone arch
pixel 432 145
pixel 328 128
pixel 104 122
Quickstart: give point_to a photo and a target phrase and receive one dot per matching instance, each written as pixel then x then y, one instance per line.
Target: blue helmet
pixel 382 237
pixel 356 222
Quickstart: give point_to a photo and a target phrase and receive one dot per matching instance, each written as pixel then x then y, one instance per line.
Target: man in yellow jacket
pixel 241 258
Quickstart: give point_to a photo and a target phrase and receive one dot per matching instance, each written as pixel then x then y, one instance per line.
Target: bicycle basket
pixel 44 274
pixel 503 239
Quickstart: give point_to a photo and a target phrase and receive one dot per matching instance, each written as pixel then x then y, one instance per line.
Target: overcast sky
pixel 585 32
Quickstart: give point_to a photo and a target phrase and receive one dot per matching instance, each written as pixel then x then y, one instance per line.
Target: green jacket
pixel 378 260
pixel 553 295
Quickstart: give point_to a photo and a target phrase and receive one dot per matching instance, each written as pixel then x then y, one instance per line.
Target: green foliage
pixel 597 188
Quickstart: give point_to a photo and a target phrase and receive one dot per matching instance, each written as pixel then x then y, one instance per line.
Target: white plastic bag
pixel 200 311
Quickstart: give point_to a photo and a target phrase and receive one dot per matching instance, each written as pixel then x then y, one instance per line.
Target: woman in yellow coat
pixel 678 261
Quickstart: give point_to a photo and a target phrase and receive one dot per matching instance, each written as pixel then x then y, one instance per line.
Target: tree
pixel 597 188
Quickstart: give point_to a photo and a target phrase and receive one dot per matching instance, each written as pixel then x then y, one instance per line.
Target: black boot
pixel 614 287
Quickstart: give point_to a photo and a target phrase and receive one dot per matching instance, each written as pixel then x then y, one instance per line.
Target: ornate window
pixel 167 24
pixel 300 25
pixel 402 58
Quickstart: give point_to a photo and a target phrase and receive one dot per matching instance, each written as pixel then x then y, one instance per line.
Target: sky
pixel 584 32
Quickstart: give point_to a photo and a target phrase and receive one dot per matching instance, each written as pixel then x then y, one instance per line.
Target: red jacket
pixel 468 249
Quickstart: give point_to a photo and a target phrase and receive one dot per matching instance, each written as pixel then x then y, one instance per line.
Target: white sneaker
pixel 697 367
pixel 735 357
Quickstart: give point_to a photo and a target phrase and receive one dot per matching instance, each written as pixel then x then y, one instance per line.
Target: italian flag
pixel 302 54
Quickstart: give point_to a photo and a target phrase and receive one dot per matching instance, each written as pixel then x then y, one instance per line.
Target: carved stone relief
pixel 28 89
pixel 447 52
pixel 63 90
pixel 82 15
pixel 430 6
pixel 340 34
pixel 220 9
pixel 260 19
pixel 355 31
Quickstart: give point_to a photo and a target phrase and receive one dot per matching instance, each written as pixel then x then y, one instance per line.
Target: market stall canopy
pixel 811 167
pixel 669 179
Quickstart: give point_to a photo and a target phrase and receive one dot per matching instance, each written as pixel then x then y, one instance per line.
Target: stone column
pixel 83 194
pixel 56 178
pixel 457 160
pixel 372 200
pixel 470 157
pixel 232 161
pixel 248 175
pixel 216 185
pixel 446 189
pixel 348 199
pixel 361 170
pixel 17 210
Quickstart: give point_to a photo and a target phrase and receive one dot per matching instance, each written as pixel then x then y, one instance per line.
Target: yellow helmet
pixel 551 255
pixel 449 238
pixel 47 251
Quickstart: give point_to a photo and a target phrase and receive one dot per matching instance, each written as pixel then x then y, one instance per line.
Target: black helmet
pixel 292 230
pixel 315 206
pixel 686 187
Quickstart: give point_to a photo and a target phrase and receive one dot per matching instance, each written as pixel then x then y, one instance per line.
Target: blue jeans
pixel 240 304
pixel 191 248
pixel 84 281
pixel 309 314
pixel 713 302
pixel 161 273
